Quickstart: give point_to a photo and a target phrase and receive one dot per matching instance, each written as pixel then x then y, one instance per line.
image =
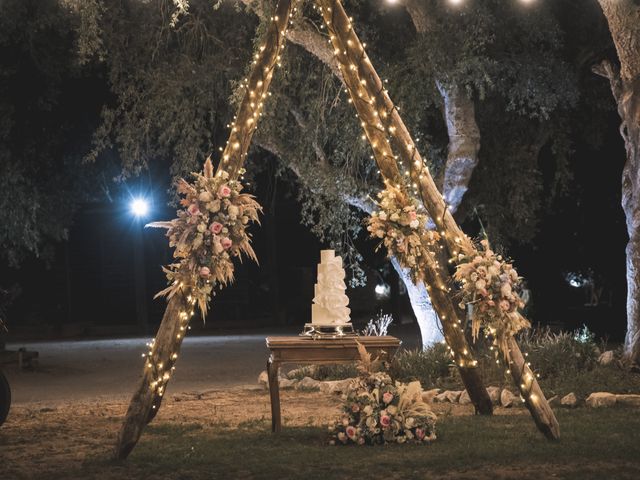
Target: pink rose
pixel 355 408
pixel 505 306
pixel 193 209
pixel 387 397
pixel 413 215
pixel 350 431
pixel 224 191
pixel 226 242
pixel 385 420
pixel 419 433
pixel 205 272
pixel 216 227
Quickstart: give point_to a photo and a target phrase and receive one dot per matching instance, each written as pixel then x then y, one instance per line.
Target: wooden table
pixel 305 350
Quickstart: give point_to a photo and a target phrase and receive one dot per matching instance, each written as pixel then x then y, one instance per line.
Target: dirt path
pixel 82 370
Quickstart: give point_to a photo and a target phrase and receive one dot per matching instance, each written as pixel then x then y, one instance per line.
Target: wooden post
pixel 384 156
pixel 146 400
pixel 256 92
pixel 531 393
pixel 350 50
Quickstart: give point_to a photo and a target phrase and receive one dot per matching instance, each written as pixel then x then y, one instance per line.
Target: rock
pixel 450 396
pixel 601 399
pixel 629 400
pixel 494 394
pixel 554 401
pixel 606 358
pixel 430 395
pixel 464 399
pixel 263 379
pixel 308 383
pixel 335 386
pixel 286 383
pixel 507 399
pixel 570 400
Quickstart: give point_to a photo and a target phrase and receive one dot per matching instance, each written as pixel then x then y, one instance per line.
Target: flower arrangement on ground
pixel 210 230
pixel 378 410
pixel 402 229
pixel 490 285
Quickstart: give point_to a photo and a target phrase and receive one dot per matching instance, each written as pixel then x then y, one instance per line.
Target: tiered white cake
pixel 330 301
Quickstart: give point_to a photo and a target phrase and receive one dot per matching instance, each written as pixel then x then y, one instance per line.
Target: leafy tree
pixel 623 17
pixel 41 128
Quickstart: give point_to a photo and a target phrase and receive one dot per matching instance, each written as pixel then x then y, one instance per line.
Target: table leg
pixel 274 394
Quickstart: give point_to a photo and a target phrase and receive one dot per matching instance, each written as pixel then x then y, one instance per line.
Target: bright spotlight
pixel 139 207
pixel 456 2
pixel 392 2
pixel 382 291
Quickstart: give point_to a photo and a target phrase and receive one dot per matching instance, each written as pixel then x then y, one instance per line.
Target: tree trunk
pixel 623 17
pixel 426 316
pixel 460 117
pixel 464 143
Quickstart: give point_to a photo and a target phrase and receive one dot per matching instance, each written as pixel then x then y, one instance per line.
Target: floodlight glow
pixel 382 291
pixel 455 2
pixel 139 207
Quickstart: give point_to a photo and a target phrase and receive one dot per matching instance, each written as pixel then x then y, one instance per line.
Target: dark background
pixel 89 288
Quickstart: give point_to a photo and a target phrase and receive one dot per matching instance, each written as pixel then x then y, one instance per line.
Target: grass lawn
pixel 603 444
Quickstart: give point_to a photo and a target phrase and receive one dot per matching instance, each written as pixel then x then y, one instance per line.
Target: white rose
pixel 383 216
pixel 414 224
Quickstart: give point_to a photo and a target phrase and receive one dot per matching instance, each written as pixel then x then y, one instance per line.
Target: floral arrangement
pixel 210 230
pixel 491 285
pixel 377 410
pixel 402 230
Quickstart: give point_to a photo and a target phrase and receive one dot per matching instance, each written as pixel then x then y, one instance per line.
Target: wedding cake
pixel 330 301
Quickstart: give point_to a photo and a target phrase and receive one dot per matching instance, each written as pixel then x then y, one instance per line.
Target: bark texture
pixel 623 17
pixel 159 365
pixel 460 117
pixel 464 143
pixel 426 316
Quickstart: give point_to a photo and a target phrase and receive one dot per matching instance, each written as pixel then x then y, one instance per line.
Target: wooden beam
pixel 376 134
pixel 159 364
pixel 348 45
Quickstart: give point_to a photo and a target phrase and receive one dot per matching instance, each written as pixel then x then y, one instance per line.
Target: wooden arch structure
pixel 392 144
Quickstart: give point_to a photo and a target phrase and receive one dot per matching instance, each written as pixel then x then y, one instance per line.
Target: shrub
pixel 432 367
pixel 560 354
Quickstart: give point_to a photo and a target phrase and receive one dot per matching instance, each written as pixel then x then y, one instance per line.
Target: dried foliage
pixel 402 229
pixel 209 232
pixel 490 287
